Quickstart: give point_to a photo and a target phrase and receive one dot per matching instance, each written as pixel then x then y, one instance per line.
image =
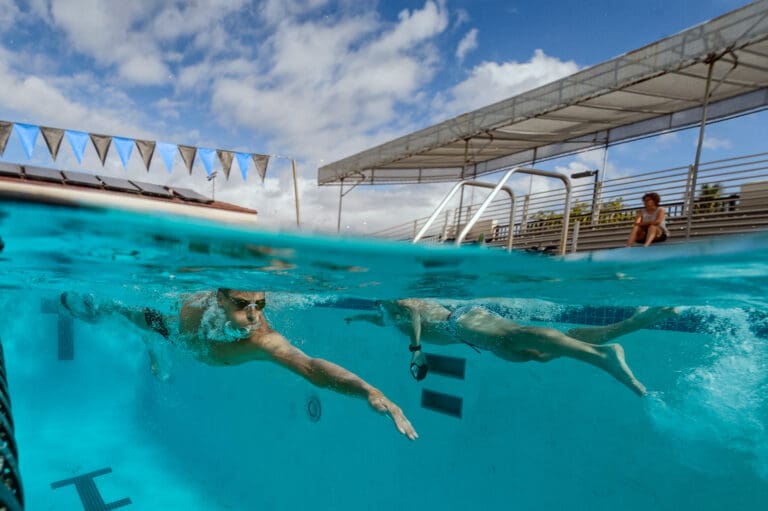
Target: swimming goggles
pixel 242 303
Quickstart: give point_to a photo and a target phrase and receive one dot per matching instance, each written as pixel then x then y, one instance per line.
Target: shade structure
pixel 657 88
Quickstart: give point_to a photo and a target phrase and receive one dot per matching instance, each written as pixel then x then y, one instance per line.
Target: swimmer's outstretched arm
pixel 326 374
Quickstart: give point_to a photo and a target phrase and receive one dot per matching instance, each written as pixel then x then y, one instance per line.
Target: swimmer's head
pixel 243 308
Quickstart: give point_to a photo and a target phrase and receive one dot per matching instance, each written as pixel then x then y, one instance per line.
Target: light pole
pixel 590 173
pixel 212 178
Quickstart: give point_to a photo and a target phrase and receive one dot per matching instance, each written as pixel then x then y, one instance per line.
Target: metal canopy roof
pixel 653 89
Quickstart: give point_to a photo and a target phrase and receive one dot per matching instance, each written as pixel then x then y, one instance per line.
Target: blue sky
pixel 316 80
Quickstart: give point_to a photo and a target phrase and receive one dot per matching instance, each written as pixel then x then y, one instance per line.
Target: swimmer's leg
pixel 514 342
pixel 85 308
pixel 644 317
pixel 552 344
pixel 159 364
pixel 82 307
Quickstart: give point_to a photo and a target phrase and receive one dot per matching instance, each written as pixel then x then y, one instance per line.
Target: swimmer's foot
pixel 156 367
pixel 647 316
pixel 81 307
pixel 618 368
pixel 644 317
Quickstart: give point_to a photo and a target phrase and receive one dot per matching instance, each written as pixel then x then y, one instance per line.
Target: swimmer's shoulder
pixel 193 306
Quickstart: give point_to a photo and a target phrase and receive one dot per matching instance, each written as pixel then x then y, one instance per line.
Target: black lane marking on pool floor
pixel 89 494
pixel 65 335
pixel 443 403
pixel 452 367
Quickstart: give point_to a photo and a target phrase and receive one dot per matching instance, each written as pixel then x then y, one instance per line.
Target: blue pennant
pixel 78 141
pixel 243 159
pixel 168 152
pixel 28 134
pixel 206 156
pixel 124 148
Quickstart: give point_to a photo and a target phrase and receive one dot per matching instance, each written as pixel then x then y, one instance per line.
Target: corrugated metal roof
pixel 653 89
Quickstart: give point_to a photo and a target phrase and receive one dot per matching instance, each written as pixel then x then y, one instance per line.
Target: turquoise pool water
pixel 531 436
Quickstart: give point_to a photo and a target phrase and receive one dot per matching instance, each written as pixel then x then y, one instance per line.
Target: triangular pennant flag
pixel 5 132
pixel 243 160
pixel 77 139
pixel 261 161
pixel 188 155
pixel 101 143
pixel 124 148
pixel 167 152
pixel 225 157
pixel 206 156
pixel 53 138
pixel 146 149
pixel 28 134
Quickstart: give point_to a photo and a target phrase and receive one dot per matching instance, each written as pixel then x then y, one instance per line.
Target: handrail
pixel 495 190
pixel 449 196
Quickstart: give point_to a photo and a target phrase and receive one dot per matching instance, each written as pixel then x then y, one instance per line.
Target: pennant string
pixel 78 140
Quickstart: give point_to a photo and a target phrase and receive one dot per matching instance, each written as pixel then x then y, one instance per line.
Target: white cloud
pixel 333 87
pixel 276 11
pixel 467 44
pixel 9 13
pixel 491 81
pixel 668 138
pixel 45 100
pixel 462 17
pixel 716 143
pixel 130 37
pixel 144 70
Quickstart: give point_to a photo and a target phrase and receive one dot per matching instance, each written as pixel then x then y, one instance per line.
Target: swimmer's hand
pixel 419 367
pixel 381 404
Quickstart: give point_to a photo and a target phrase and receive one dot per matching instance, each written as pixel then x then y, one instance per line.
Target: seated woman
pixel 650 224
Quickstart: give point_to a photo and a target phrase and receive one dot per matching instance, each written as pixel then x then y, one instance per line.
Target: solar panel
pixel 150 189
pixel 80 178
pixel 9 169
pixel 191 195
pixel 116 183
pixel 43 174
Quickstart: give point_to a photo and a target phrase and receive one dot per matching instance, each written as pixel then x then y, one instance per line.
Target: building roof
pixel 657 88
pixel 47 185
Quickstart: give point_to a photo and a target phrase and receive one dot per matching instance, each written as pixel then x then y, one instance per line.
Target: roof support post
pixel 342 193
pixel 341 197
pixel 296 193
pixel 597 192
pixel 463 176
pixel 695 166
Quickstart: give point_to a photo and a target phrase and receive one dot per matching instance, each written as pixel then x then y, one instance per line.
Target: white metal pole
pixel 296 193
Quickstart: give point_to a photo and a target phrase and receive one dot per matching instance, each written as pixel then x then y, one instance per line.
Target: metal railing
pixel 487 201
pixel 466 229
pixel 731 197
